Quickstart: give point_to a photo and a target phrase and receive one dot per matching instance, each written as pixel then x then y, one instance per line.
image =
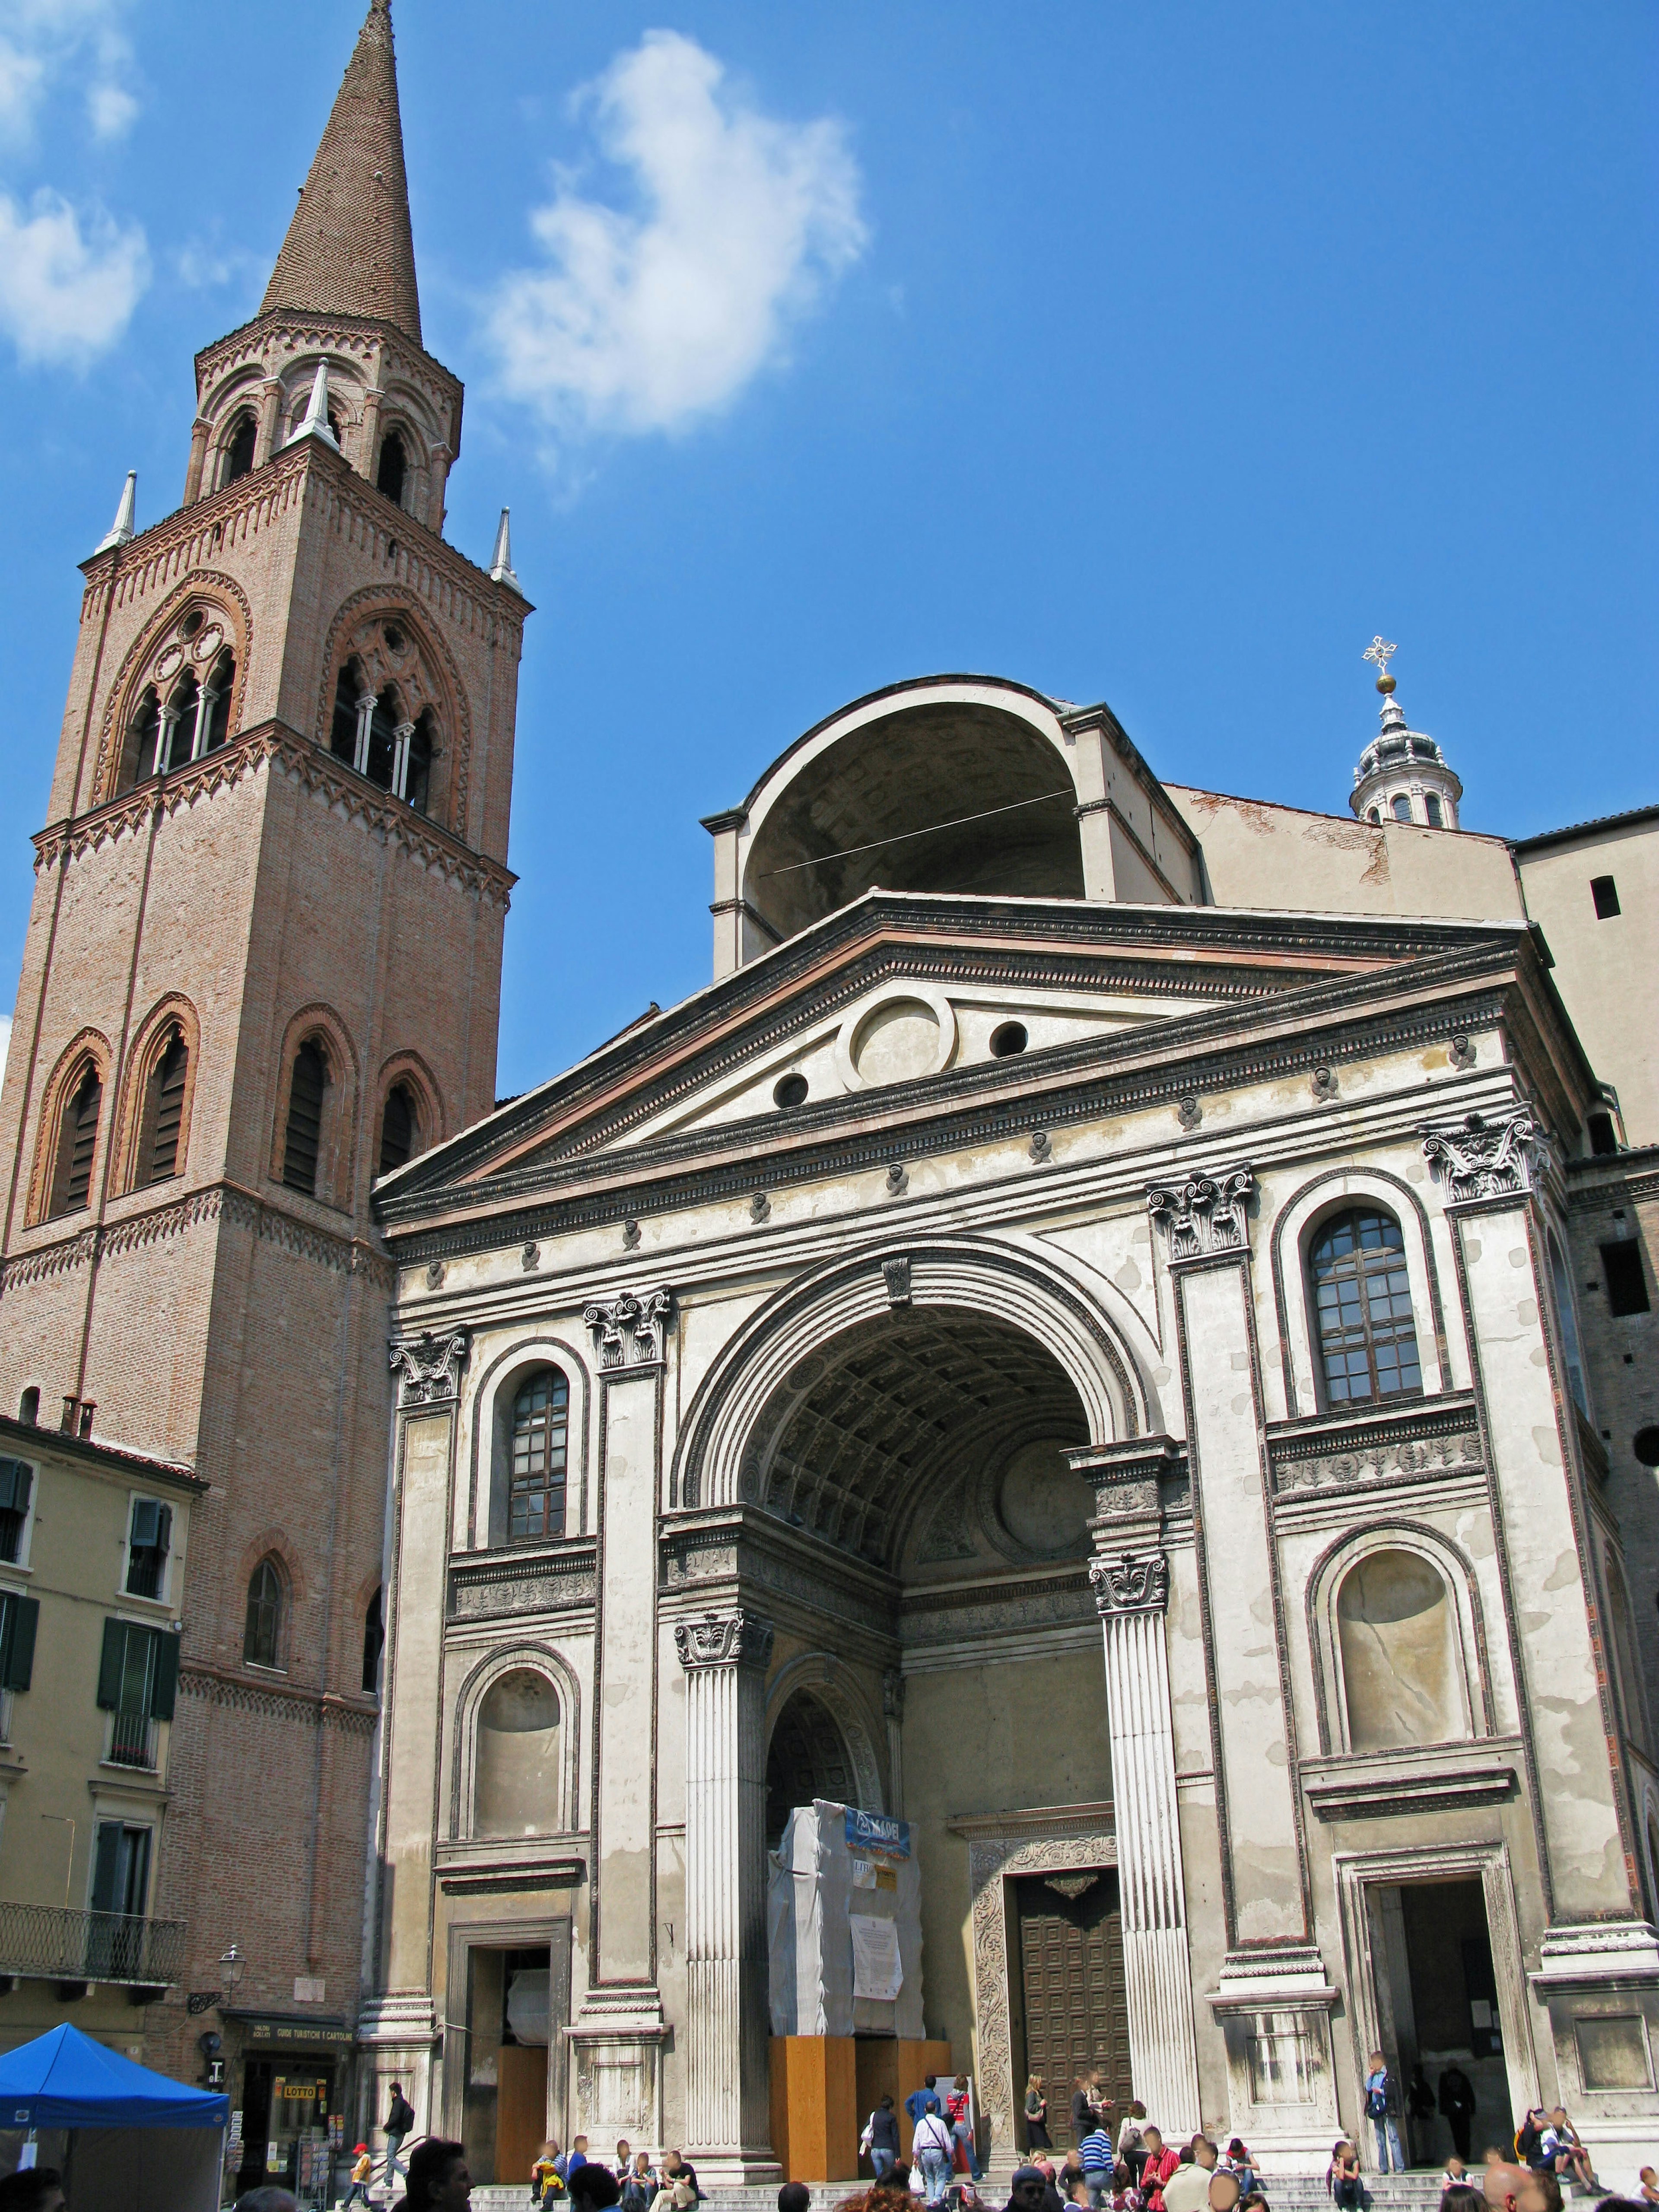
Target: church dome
pixel 1402 775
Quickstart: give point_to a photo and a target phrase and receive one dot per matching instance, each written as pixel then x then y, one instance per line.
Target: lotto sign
pixel 873 1835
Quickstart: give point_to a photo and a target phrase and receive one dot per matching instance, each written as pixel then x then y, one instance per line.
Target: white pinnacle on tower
pixel 316 422
pixel 501 568
pixel 1402 775
pixel 120 531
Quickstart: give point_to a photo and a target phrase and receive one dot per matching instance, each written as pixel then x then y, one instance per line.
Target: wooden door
pixel 1077 2013
pixel 520 2111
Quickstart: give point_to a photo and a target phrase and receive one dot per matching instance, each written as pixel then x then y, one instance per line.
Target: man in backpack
pixel 399 2119
pixel 1379 2111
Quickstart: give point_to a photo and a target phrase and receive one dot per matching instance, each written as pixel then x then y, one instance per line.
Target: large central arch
pixel 730 1439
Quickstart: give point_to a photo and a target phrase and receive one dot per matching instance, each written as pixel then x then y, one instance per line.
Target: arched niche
pixel 1399 1642
pixel 517 1745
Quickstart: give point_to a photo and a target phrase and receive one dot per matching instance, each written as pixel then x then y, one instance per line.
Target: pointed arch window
pixel 215 708
pixel 143 737
pixel 342 734
pixel 238 454
pixel 78 1142
pixel 162 1129
pixel 399 1126
pixel 1363 1308
pixel 262 1634
pixel 302 1144
pixel 179 719
pixel 541 1414
pixel 393 467
pixel 414 781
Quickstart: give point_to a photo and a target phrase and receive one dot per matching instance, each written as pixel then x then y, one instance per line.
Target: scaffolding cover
pixel 844 1925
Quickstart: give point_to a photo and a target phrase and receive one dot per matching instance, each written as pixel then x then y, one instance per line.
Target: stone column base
pixel 1274 2010
pixel 617 2040
pixel 1600 1984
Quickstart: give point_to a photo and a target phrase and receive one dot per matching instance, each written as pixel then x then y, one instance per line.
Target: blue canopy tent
pixel 136 2141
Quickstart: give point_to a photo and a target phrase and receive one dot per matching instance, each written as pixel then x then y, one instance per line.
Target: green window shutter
pixel 15 1482
pixel 17 1642
pixel 165 1683
pixel 146 1523
pixel 110 1664
pixel 106 1867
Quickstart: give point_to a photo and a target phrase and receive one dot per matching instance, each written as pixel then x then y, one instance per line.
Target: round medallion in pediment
pixel 898 1035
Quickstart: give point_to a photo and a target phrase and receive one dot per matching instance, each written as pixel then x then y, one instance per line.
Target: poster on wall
pixel 877 1972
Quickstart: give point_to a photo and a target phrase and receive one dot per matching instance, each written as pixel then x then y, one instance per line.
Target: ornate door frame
pixel 1046 1839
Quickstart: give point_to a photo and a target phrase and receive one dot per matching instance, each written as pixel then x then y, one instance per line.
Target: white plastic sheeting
pixel 835 1865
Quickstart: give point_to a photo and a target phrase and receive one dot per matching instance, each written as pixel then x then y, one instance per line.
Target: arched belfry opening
pixel 950 795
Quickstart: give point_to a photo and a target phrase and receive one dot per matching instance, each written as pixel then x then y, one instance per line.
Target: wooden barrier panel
pixel 815 2115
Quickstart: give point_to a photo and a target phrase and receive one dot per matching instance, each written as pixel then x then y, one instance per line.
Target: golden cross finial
pixel 1381 652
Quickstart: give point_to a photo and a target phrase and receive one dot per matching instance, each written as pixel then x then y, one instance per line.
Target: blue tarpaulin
pixel 65 2080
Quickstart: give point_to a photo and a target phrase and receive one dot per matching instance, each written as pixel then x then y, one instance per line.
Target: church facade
pixel 1117 1333
pixel 1075 1341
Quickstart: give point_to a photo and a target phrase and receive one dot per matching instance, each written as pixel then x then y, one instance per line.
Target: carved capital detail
pixel 896 1273
pixel 1204 1214
pixel 1133 1583
pixel 724 1639
pixel 428 1367
pixel 1488 1159
pixel 629 1331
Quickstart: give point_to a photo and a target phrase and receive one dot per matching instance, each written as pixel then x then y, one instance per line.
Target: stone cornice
pixel 1400 1010
pixel 1607 1176
pixel 435 848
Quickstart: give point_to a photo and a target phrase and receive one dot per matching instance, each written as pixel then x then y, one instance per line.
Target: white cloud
pixel 46 41
pixel 68 283
pixel 647 320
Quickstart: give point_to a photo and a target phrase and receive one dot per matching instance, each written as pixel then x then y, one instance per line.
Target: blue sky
pixel 1157 352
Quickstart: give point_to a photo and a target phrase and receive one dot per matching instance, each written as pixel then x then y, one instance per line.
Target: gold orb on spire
pixel 1381 652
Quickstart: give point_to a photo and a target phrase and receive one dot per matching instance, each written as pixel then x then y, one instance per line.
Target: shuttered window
pixel 396 1129
pixel 303 1140
pixel 77 1142
pixel 16 1487
pixel 262 1634
pixel 164 1110
pixel 19 1619
pixel 147 1538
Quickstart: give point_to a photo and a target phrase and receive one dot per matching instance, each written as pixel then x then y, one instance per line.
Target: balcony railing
pixel 49 1942
pixel 132 1740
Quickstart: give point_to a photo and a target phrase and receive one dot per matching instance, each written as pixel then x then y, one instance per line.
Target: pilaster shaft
pixel 725 1656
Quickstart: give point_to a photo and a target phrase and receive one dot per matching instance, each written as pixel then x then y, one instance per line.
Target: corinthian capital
pixel 1488 1159
pixel 1204 1214
pixel 628 1331
pixel 1135 1583
pixel 430 1367
pixel 723 1639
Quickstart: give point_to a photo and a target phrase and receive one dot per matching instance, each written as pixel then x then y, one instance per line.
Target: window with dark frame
pixel 17 1488
pixel 1435 813
pixel 1626 1283
pixel 302 1140
pixel 1402 807
pixel 540 1421
pixel 1605 894
pixel 262 1634
pixel 1603 1136
pixel 394 466
pixel 138 1684
pixel 238 454
pixel 1367 1333
pixel 148 1538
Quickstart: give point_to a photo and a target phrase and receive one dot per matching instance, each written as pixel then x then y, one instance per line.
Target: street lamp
pixel 232 1967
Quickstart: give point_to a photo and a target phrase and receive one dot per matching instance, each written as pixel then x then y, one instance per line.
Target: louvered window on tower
pixel 389 477
pixel 303 1141
pixel 238 454
pixel 396 1129
pixel 77 1142
pixel 164 1110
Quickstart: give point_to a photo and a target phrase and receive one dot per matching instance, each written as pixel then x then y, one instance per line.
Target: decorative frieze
pixel 1481 1159
pixel 1203 1215
pixel 629 1331
pixel 736 1638
pixel 428 1367
pixel 1130 1583
pixel 1423 1437
pixel 496 1588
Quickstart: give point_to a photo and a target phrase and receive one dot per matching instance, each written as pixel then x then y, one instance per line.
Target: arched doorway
pixel 807 1758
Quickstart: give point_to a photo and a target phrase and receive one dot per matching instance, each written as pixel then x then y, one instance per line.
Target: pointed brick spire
pixel 349 250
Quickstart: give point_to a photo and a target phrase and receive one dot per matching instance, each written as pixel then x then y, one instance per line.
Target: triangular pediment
pixel 903 1006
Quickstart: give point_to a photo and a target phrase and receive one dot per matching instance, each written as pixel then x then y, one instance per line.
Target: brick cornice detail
pixel 228 1201
pixel 223 1685
pixel 425 841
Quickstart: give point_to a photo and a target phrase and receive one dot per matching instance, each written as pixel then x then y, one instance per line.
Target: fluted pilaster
pixel 725 1656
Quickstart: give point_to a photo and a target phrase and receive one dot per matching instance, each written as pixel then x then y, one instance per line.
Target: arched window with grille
pixel 1362 1301
pixel 262 1636
pixel 399 1128
pixel 161 1130
pixel 537 1452
pixel 77 1144
pixel 302 1143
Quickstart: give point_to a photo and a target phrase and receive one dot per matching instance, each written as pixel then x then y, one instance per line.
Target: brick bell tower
pixel 263 966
